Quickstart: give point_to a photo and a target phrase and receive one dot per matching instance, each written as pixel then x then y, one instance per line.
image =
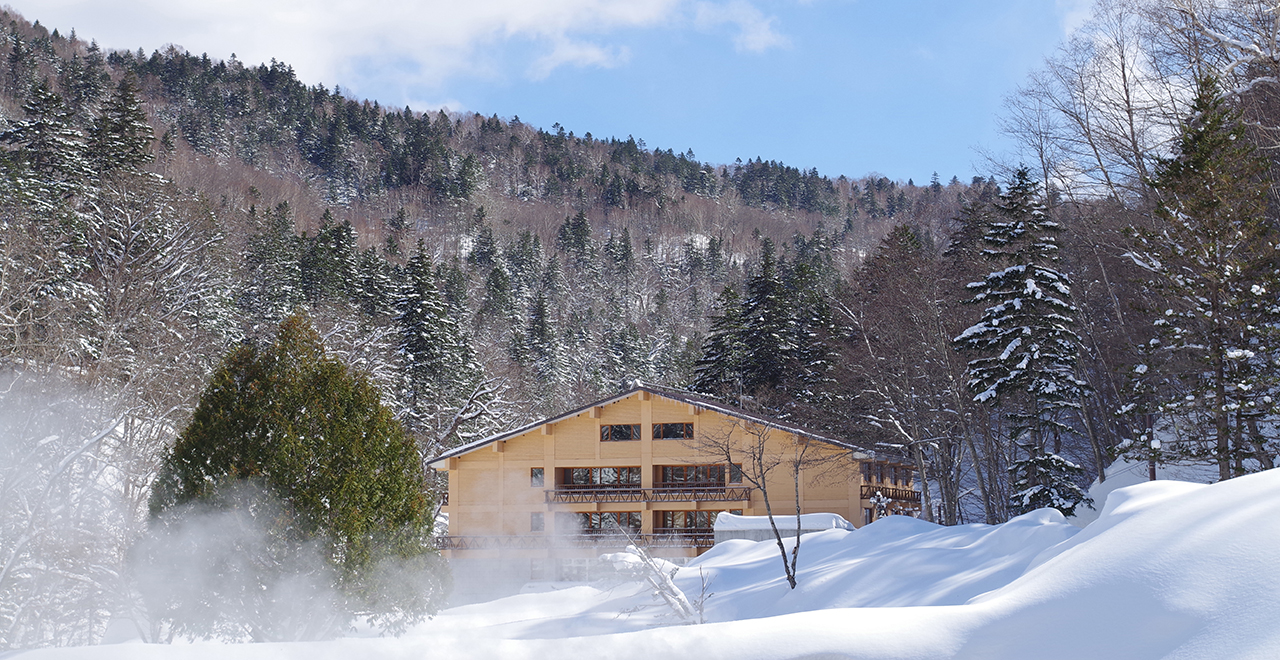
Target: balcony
pixel 591 494
pixel 894 493
pixel 672 538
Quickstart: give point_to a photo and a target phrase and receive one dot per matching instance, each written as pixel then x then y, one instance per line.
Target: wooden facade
pixel 648 465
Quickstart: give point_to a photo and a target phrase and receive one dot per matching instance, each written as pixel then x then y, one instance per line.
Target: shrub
pixel 290 456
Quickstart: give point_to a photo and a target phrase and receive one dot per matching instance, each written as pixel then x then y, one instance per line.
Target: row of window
pixel 627 432
pixel 629 477
pixel 599 521
pixel 610 476
pixel 700 475
pixel 628 521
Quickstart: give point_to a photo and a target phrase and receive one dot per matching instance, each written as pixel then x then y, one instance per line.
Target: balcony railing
pixel 666 539
pixel 891 492
pixel 589 495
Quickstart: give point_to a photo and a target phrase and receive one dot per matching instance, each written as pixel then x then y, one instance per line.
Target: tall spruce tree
pixel 439 370
pixel 1211 382
pixel 50 150
pixel 1025 345
pixel 719 371
pixel 769 341
pixel 272 284
pixel 121 137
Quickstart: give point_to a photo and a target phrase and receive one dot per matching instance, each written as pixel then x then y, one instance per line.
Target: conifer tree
pixel 768 340
pixel 1025 346
pixel 49 147
pixel 328 262
pixel 272 285
pixel 574 238
pixel 719 371
pixel 438 364
pixel 1212 380
pixel 376 286
pixel 301 446
pixel 121 137
pixel 541 342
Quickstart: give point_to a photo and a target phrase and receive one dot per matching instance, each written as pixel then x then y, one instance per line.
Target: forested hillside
pixel 1111 294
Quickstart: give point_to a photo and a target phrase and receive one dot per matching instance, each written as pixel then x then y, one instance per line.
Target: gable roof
pixel 700 400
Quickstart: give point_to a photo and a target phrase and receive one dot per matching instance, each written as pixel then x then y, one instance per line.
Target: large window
pixel 687 521
pixel 673 431
pixel 603 522
pixel 676 476
pixel 619 432
pixel 610 477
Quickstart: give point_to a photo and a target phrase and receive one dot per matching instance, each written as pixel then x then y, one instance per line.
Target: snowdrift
pixel 1168 570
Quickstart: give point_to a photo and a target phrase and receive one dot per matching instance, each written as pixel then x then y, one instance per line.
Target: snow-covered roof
pixel 702 401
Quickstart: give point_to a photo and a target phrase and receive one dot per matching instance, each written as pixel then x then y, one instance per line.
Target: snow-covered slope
pixel 1168 570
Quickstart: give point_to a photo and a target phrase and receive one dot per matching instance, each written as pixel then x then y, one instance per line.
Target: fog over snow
pixel 1168 570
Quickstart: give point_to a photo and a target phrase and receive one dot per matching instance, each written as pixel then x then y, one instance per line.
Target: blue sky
pixel 851 87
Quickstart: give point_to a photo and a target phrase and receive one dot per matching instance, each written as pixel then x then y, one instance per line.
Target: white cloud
pixel 755 30
pixel 422 41
pixel 577 53
pixel 1073 14
pixel 416 46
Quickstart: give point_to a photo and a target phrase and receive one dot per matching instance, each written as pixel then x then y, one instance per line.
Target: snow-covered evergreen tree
pixel 719 371
pixel 329 268
pixel 1211 381
pixel 439 370
pixel 1025 346
pixel 272 282
pixel 49 147
pixel 769 339
pixel 120 136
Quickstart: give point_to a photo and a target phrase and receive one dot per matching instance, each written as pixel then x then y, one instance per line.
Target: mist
pixel 82 562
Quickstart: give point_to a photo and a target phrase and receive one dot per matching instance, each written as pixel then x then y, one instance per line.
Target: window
pixel 675 476
pixel 604 522
pixel 702 521
pixel 619 432
pixel 535 478
pixel 672 431
pixel 735 473
pixel 617 477
pixel 573 570
pixel 537 522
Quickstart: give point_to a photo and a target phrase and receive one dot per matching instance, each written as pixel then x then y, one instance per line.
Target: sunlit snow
pixel 1168 569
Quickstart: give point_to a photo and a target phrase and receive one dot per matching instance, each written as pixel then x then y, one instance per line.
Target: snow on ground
pixel 1168 570
pixel 1123 473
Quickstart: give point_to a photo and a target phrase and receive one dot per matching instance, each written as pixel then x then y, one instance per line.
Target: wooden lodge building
pixel 652 466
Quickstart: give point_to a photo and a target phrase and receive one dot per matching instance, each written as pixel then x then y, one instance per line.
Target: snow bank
pixel 808 522
pixel 1124 473
pixel 1168 570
